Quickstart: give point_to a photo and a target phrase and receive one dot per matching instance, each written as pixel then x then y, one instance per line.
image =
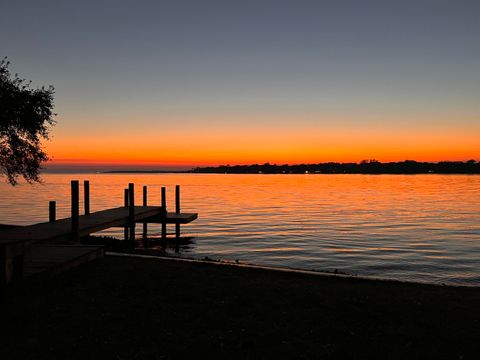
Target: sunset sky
pixel 185 83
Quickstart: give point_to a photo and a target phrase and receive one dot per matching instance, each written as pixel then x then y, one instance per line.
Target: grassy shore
pixel 131 308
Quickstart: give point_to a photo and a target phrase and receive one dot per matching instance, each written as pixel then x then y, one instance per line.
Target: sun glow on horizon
pixel 259 143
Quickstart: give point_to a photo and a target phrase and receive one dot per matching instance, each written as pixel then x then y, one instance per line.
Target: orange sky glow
pixel 259 144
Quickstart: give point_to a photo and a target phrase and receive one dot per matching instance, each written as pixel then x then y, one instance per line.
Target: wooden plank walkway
pixel 24 249
pixel 88 224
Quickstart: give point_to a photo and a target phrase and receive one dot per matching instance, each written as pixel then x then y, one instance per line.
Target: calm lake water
pixel 413 227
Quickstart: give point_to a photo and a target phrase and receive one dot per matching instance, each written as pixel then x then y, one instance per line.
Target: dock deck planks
pixel 26 250
pixel 92 223
pixel 29 249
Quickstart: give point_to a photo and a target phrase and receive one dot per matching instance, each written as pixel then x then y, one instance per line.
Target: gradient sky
pixel 169 83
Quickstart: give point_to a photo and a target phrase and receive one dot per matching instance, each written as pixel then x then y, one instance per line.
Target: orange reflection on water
pixel 421 227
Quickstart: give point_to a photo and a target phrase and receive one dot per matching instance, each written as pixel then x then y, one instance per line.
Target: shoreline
pixel 130 307
pixel 146 254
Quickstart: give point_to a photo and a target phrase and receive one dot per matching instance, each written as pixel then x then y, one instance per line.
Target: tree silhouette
pixel 364 167
pixel 26 115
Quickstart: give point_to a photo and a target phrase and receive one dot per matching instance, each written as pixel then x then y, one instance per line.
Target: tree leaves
pixel 26 116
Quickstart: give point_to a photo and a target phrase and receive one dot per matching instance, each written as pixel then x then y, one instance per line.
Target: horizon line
pixel 109 167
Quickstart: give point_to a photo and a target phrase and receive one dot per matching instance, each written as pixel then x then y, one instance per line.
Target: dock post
pixel 125 203
pixel 177 209
pixel 145 226
pixel 52 211
pixel 144 196
pixel 75 209
pixel 131 211
pixel 164 212
pixel 86 197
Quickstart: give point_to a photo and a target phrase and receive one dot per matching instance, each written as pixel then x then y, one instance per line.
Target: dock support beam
pixel 86 197
pixel 52 211
pixel 75 209
pixel 177 209
pixel 125 203
pixel 164 211
pixel 131 211
pixel 145 226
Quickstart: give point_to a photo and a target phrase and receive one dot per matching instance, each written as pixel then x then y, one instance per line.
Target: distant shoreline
pixel 147 172
pixel 291 173
pixel 408 167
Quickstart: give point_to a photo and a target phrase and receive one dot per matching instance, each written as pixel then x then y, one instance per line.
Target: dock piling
pixel 164 212
pixel 125 203
pixel 145 226
pixel 131 210
pixel 52 211
pixel 86 197
pixel 177 209
pixel 75 209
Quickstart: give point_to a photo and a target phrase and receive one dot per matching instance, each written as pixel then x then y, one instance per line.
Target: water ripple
pixel 421 228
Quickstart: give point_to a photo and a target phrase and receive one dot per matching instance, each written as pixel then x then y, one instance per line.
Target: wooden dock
pixel 25 247
pixel 89 224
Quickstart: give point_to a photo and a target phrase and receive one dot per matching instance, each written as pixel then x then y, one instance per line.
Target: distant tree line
pixel 364 167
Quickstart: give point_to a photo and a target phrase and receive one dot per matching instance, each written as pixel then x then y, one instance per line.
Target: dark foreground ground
pixel 127 308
